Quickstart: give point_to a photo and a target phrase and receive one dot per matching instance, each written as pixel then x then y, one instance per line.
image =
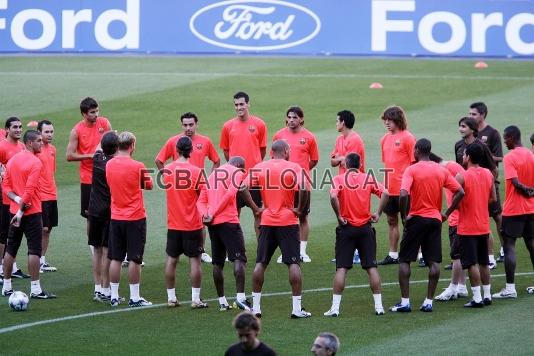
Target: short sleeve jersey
pixel 125 176
pixel 22 177
pixel 8 150
pixel 3 134
pixel 491 137
pixel 354 190
pixel 397 155
pixel 518 163
pixel 202 148
pixel 278 180
pixel 303 146
pixel 424 181
pixel 474 217
pixel 245 139
pixel 100 199
pixel 89 137
pixel 454 168
pixel 221 188
pixel 261 350
pixel 183 184
pixel 47 183
pixel 487 161
pixel 353 143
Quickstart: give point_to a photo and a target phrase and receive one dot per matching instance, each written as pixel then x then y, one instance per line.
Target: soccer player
pixel 326 344
pixel 479 189
pixel 217 206
pixel 248 328
pixel 99 212
pixel 246 136
pixel 420 208
pixel 303 151
pixel 491 138
pixel 183 182
pixel 518 212
pixel 457 286
pixel 348 141
pixel 21 185
pixel 468 128
pixel 277 180
pixel 8 148
pixel 202 148
pixel 397 154
pixel 350 197
pixel 126 178
pixel 47 189
pixel 83 140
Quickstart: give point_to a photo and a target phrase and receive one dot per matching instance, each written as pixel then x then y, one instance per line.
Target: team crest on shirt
pixel 484 139
pixel 397 143
pixel 199 146
pixel 101 130
pixel 252 129
pixel 302 141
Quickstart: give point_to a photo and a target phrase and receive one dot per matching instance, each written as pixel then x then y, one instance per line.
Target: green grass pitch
pixel 146 95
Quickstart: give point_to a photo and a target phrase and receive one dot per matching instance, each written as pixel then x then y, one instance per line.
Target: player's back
pixel 518 163
pixel 473 209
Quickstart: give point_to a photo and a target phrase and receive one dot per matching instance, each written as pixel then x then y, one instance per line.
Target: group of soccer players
pixel 278 193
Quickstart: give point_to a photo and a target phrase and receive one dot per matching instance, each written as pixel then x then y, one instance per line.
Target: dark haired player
pixel 518 212
pixel 350 197
pixel 246 136
pixel 202 148
pixel 126 178
pixel 21 185
pixel 8 148
pixel 421 196
pixel 183 183
pixel 277 180
pixel 468 128
pixel 47 189
pixel 83 140
pixel 248 327
pixel 479 189
pixel 217 205
pixel 99 212
pixel 397 154
pixel 305 152
pixel 491 138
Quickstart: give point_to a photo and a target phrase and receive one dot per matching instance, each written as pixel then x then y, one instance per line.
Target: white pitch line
pixel 270 75
pixel 275 294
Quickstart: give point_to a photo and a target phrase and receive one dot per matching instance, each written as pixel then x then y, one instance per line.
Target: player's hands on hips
pixel 444 217
pixel 374 218
pixel 341 220
pixel 258 212
pixel 207 219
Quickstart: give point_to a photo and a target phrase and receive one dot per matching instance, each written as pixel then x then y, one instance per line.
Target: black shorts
pixel 127 237
pixel 32 227
pixel 188 243
pixel 227 240
pixel 85 196
pixel 473 250
pixel 285 237
pixel 495 208
pixel 424 233
pixel 98 231
pixel 393 205
pixel 349 238
pixel 256 197
pixel 518 226
pixel 454 243
pixel 50 216
pixel 5 219
pixel 306 210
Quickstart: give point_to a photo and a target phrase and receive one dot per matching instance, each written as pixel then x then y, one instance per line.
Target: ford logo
pixel 255 25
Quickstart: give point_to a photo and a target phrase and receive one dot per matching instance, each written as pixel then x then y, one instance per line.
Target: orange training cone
pixel 376 86
pixel 32 124
pixel 481 65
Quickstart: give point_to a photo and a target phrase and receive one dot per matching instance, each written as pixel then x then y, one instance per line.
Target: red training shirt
pixel 474 217
pixel 89 136
pixel 424 182
pixel 47 183
pixel 354 191
pixel 125 176
pixel 8 150
pixel 353 143
pixel 303 146
pixel 397 154
pixel 202 148
pixel 453 168
pixel 244 138
pixel 518 163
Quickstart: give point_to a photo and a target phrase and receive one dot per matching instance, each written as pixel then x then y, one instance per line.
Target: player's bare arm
pixel 383 202
pixel 72 154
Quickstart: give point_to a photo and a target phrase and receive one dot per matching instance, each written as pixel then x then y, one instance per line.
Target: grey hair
pixel 331 341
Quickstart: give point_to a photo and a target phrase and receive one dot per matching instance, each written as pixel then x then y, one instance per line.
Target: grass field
pixel 147 95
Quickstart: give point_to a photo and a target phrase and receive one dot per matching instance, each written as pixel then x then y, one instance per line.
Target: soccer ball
pixel 18 301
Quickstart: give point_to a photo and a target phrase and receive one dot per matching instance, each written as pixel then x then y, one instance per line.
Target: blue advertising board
pixel 480 28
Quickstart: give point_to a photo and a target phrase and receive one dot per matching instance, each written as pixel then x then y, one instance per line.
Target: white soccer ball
pixel 18 301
